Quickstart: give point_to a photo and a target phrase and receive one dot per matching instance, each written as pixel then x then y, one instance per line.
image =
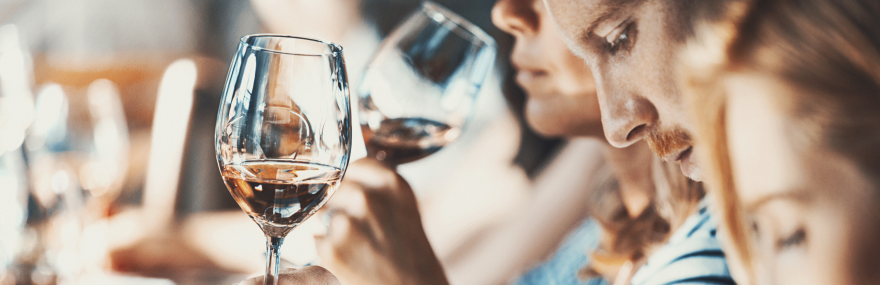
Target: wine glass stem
pixel 272 260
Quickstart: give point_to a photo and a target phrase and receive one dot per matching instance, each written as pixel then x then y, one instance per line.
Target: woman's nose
pixel 516 17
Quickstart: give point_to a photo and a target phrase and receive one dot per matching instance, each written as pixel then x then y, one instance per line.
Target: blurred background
pixel 108 112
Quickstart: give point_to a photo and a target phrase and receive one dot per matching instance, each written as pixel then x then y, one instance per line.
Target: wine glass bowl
pixel 79 143
pixel 283 133
pixel 418 90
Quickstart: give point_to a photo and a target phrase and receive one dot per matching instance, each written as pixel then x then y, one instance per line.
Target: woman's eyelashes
pixel 769 237
pixel 795 239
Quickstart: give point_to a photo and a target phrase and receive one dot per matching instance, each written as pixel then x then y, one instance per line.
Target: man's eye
pixel 620 38
pixel 795 239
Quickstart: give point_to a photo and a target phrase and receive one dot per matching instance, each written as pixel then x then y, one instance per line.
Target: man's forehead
pixel 579 17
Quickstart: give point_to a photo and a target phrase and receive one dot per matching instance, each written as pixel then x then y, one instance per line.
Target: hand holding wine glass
pixel 375 234
pixel 283 133
pixel 418 90
pixel 415 98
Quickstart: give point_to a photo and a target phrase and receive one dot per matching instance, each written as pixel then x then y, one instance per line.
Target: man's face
pixel 630 45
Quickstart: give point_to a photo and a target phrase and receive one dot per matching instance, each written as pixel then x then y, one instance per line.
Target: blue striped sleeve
pixel 693 255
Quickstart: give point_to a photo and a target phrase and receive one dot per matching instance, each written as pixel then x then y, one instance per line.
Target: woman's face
pixel 809 206
pixel 561 93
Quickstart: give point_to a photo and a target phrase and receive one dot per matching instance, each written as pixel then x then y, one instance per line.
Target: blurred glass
pixel 78 144
pixel 78 154
pixel 13 201
pixel 419 89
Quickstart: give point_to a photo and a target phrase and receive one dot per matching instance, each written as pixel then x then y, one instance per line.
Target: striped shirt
pixel 692 256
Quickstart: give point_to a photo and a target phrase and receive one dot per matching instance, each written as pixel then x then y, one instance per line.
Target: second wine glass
pixel 419 88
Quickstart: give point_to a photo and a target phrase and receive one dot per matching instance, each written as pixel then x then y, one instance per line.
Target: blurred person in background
pixel 376 237
pixel 786 101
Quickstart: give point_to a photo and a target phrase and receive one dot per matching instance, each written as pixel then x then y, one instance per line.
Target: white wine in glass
pixel 283 133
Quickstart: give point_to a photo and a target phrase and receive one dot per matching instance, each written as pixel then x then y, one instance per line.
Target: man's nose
pixel 626 119
pixel 516 17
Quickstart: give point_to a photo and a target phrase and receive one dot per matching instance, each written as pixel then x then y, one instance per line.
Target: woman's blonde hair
pixel 626 238
pixel 828 51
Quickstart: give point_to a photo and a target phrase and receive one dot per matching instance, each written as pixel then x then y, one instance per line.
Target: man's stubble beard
pixel 666 142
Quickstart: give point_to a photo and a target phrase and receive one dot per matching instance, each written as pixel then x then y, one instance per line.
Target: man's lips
pixel 687 163
pixel 678 156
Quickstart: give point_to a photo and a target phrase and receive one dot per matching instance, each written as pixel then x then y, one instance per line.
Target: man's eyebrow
pixel 796 195
pixel 605 10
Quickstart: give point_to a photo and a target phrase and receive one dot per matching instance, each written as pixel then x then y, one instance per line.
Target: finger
pixel 328 252
pixel 350 199
pixel 343 229
pixel 310 275
pixel 322 217
pixel 372 174
pixel 346 235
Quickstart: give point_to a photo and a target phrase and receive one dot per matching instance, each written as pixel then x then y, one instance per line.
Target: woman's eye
pixel 795 239
pixel 753 225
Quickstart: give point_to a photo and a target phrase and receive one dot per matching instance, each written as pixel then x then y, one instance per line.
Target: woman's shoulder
pixel 693 255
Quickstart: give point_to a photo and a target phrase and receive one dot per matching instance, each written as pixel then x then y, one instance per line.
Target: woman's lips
pixel 529 79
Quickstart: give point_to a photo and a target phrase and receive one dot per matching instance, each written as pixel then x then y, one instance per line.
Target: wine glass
pixel 13 201
pixel 419 88
pixel 283 134
pixel 78 145
pixel 77 151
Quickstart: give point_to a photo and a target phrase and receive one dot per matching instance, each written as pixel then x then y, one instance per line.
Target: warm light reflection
pixel 13 205
pixel 49 118
pixel 16 103
pixel 106 169
pixel 51 173
pixel 170 122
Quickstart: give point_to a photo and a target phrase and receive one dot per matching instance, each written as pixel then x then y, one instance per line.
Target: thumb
pixel 309 275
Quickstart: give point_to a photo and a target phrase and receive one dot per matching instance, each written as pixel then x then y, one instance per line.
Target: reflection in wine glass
pixel 170 122
pixel 418 90
pixel 283 133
